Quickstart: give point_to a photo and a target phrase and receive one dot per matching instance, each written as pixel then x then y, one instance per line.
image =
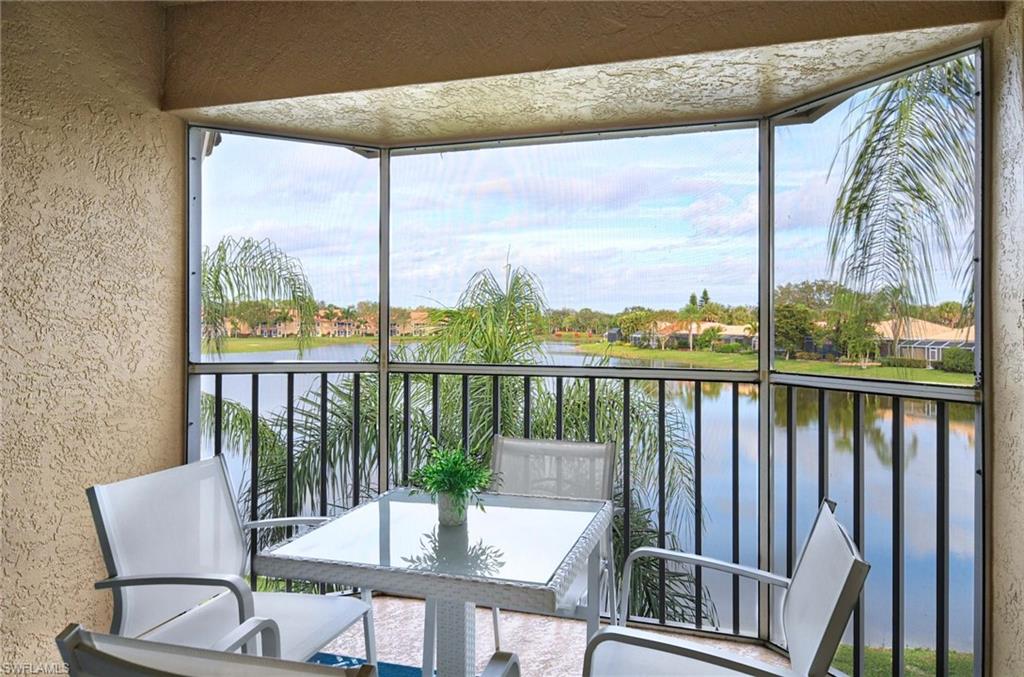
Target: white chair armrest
pixel 678 647
pixel 689 558
pixel 285 522
pixel 232 582
pixel 502 664
pixel 266 628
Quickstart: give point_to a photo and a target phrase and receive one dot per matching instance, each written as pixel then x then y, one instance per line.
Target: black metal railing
pixel 469 405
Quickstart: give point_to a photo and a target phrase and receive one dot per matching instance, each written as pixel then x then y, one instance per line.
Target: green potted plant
pixel 452 478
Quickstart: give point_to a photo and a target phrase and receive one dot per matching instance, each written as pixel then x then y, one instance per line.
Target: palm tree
pixel 907 192
pixel 691 315
pixel 239 270
pixel 493 322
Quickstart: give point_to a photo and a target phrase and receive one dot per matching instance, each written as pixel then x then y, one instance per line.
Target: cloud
pixel 807 206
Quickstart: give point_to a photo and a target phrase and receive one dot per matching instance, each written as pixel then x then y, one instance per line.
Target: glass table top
pixel 516 538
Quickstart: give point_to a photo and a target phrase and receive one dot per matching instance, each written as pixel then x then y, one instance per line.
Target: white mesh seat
pixel 175 552
pixel 819 599
pixel 564 469
pixel 629 656
pixel 312 621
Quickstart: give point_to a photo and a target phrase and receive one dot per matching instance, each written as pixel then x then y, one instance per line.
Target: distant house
pixel 677 334
pixel 613 335
pixel 419 323
pixel 921 340
pixel 329 324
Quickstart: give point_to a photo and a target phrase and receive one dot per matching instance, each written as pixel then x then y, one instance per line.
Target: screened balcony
pixel 520 303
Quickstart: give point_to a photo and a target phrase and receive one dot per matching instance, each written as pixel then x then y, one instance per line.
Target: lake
pixel 716 476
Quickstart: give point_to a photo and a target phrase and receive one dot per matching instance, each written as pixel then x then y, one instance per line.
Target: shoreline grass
pixel 702 359
pixel 258 344
pixel 916 661
pixel 697 359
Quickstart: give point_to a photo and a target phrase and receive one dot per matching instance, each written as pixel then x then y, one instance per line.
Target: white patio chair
pixel 176 554
pixel 560 469
pixel 819 599
pixel 93 654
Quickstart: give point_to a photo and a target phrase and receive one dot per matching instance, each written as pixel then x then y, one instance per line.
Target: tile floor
pixel 547 647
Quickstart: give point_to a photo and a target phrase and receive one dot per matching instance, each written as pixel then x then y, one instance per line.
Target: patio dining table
pixel 519 552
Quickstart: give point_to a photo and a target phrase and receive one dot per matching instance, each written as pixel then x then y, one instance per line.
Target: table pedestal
pixel 450 631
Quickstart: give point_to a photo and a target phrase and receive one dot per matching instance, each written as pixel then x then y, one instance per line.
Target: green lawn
pixel 701 359
pixel 258 345
pixel 878 662
pixel 889 373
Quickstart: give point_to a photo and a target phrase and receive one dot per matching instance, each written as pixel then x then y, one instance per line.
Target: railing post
pixel 435 407
pixel 356 439
pixel 526 407
pixel 736 505
pixel 465 413
pixel 698 502
pixel 218 413
pixel 559 395
pixel 496 405
pixel 406 428
pixel 858 525
pixel 592 409
pixel 289 474
pixel 822 445
pixel 898 563
pixel 626 479
pixel 254 476
pixel 661 498
pixel 942 540
pixel 323 444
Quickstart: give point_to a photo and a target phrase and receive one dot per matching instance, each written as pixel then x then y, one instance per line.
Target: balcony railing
pixel 689 463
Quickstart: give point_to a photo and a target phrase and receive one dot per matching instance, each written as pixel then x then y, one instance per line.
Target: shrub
pixel 708 338
pixel 958 360
pixel 904 362
pixel 729 348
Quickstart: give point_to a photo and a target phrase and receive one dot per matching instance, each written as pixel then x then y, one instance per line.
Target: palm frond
pixel 244 269
pixel 907 193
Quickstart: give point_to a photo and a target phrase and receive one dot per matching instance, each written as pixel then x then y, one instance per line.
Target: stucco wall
pixel 229 52
pixel 1007 345
pixel 92 296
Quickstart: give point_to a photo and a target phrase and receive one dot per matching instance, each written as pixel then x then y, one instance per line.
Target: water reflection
pixel 447 550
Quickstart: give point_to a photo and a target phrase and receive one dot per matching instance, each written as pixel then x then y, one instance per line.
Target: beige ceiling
pixel 684 89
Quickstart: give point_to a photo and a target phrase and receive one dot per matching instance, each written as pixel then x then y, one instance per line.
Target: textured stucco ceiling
pixel 684 89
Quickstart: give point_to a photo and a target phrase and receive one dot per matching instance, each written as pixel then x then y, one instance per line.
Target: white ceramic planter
pixel 448 515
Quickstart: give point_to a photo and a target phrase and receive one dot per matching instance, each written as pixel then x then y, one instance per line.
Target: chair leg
pixel 496 616
pixel 368 636
pixel 429 636
pixel 613 607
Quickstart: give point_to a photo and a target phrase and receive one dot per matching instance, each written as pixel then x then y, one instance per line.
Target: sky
pixel 603 224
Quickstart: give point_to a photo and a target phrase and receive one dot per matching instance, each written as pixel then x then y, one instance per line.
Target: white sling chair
pixel 819 599
pixel 561 469
pixel 93 654
pixel 176 554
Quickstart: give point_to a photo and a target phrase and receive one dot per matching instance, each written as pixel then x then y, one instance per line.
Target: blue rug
pixel 383 669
